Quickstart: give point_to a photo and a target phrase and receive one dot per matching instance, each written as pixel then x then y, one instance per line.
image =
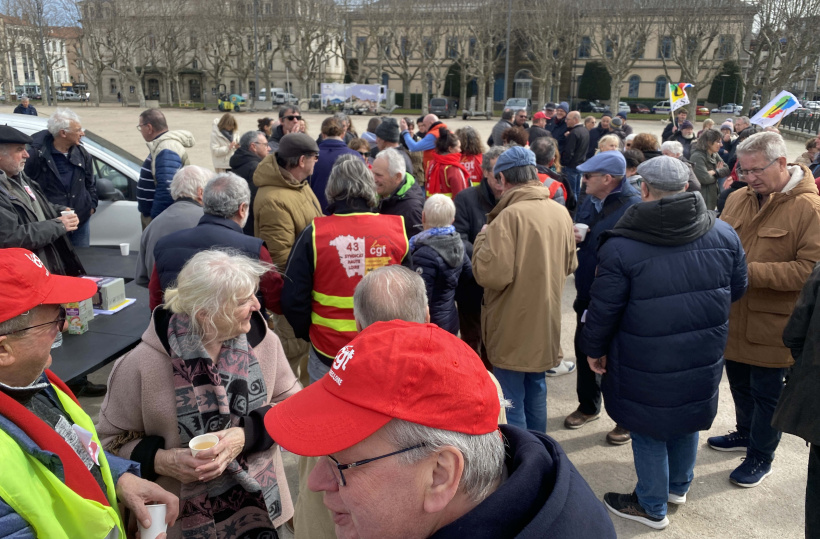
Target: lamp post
pixel 507 51
pixel 723 88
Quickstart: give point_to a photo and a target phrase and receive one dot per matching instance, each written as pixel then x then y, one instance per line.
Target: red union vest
pixel 472 163
pixel 427 155
pixel 345 248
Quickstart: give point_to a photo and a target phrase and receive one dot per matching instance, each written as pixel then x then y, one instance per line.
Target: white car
pixel 728 108
pixel 623 107
pixel 117 219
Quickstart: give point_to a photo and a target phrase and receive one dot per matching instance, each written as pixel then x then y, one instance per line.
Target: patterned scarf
pixel 244 500
pixel 430 232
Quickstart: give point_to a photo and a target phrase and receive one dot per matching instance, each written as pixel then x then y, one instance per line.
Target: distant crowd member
pixel 167 154
pixel 597 133
pixel 289 118
pixel 472 207
pixel 224 141
pixel 370 134
pixel 685 135
pixel 515 135
pixel 672 127
pixel 708 123
pixel 502 125
pixel 431 126
pixel 778 220
pixel 574 151
pixel 537 130
pixel 445 173
pixel 253 147
pixel 807 157
pixel 265 125
pixel 27 218
pixel 545 152
pixel 65 171
pixel 673 148
pixel 25 107
pixel 446 468
pixel 658 342
pixel 744 129
pixel 628 141
pixel 522 260
pixel 520 119
pixel 387 136
pixel 330 149
pixel 633 159
pixel 225 202
pixel 361 147
pixel 647 144
pixel 609 195
pixel 398 190
pixel 558 127
pixel 187 189
pixel 620 127
pixel 609 143
pixel 472 151
pixel 350 132
pixel 708 166
pixel 440 259
pixel 549 110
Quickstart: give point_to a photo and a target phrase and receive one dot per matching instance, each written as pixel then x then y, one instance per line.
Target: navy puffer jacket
pixel 660 313
pixel 442 262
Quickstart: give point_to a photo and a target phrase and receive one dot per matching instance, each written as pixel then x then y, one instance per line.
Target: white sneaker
pixel 677 499
pixel 565 367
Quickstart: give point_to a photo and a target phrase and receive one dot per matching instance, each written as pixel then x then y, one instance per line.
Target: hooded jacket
pixel 543 495
pixel 221 151
pixel 522 260
pixel 168 153
pixel 667 275
pixel 282 209
pixel 407 201
pixel 243 163
pixel 442 263
pixel 782 243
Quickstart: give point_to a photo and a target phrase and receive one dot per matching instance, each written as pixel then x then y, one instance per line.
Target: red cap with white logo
pixel 415 372
pixel 25 283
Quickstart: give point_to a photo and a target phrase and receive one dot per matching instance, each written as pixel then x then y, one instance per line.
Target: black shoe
pixel 627 506
pixel 89 390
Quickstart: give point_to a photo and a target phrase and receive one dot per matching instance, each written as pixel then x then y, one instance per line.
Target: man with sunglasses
pixel 777 217
pixel 406 425
pixel 289 117
pixel 56 482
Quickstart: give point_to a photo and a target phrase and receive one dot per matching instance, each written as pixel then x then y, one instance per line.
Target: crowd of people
pixel 388 307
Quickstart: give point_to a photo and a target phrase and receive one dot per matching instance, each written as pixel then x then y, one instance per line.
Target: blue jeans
pixel 316 369
pixel 82 236
pixel 663 467
pixel 528 393
pixel 756 391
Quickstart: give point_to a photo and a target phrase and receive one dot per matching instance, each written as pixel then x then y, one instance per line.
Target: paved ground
pixel 715 507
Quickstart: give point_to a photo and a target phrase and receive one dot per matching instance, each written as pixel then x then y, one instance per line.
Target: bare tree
pixel 311 40
pixel 92 56
pixel 482 50
pixel 129 32
pixel 212 44
pixel 169 53
pixel 361 40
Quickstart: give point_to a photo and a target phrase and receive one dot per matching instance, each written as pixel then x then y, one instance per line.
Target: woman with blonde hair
pixel 224 141
pixel 609 143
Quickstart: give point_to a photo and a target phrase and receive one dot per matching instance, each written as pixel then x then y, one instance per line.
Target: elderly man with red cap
pixel 406 427
pixel 56 482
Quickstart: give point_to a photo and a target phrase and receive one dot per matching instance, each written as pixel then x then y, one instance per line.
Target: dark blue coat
pixel 660 311
pixel 329 151
pixel 615 204
pixel 442 262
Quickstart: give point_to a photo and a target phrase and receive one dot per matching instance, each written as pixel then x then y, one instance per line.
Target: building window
pixel 113 83
pixel 726 47
pixel 665 47
pixel 361 44
pixel 638 49
pixel 585 49
pixel 634 85
pixel 269 45
pixel 661 86
pixel 195 64
pixel 452 47
pixel 286 42
pixel 404 51
pixel 132 89
pixel 611 45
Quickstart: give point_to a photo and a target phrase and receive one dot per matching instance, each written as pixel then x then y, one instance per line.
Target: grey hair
pixel 390 293
pixel 673 147
pixel 544 150
pixel 17 323
pixel 225 194
pixel 507 114
pixel 189 180
pixel 493 153
pixel 249 137
pixel 395 162
pixel 607 138
pixel 211 286
pixel 350 178
pixel 344 118
pixel 439 211
pixel 767 143
pixel 744 119
pixel 520 175
pixel 61 119
pixel 483 453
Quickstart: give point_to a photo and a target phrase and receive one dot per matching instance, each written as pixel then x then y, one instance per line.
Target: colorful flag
pixel 777 109
pixel 677 95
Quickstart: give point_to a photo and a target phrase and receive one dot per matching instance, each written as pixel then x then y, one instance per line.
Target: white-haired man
pixel 778 220
pixel 64 170
pixel 673 148
pixel 398 190
pixel 186 211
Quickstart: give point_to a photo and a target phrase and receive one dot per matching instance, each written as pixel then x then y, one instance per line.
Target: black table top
pixel 108 336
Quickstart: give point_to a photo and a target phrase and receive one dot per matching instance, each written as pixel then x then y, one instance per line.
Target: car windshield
pixel 96 141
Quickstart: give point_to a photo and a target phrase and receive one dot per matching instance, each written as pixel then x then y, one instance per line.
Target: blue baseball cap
pixel 517 156
pixel 612 163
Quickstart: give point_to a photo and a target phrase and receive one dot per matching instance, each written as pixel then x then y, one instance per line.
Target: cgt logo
pixel 37 262
pixel 378 250
pixel 340 363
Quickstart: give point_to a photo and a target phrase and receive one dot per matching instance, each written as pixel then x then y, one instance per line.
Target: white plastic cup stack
pixel 158 525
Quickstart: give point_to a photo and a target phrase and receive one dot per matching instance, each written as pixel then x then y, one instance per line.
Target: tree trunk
pixel 98 82
pixel 482 95
pixel 166 82
pixel 614 94
pixel 405 88
pixel 140 92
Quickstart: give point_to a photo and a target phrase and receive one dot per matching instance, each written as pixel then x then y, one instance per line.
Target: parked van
pixel 443 107
pixel 284 98
pixel 264 92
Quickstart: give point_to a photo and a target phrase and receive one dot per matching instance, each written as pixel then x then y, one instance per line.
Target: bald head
pixel 429 120
pixel 390 293
pixel 573 118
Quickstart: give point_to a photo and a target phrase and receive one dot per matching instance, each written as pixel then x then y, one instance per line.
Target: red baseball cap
pixel 392 370
pixel 538 115
pixel 25 283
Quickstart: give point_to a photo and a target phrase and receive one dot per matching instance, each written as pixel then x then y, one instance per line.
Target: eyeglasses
pixel 336 469
pixel 753 171
pixel 59 321
pixel 313 155
pixel 587 176
pixel 140 126
pixel 365 154
pixel 292 117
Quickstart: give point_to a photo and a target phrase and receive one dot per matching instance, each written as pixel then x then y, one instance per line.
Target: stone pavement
pixel 714 508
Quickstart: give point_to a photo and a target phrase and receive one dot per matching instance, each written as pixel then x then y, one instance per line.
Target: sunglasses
pixel 365 154
pixel 292 117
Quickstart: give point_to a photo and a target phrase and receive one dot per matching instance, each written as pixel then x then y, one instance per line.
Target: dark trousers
pixel 756 391
pixel 813 494
pixel 587 383
pixel 468 299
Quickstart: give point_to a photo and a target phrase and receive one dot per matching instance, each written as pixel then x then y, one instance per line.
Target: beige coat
pixel 522 260
pixel 282 209
pixel 221 151
pixel 782 244
pixel 141 402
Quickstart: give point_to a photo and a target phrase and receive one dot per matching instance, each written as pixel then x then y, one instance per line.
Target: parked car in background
pixel 639 108
pixel 702 111
pixel 729 108
pixel 284 98
pixel 518 103
pixel 265 92
pixel 68 95
pixel 117 219
pixel 591 106
pixel 661 107
pixel 623 107
pixel 445 107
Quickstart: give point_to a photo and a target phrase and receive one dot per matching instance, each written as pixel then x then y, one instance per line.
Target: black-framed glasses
pixel 589 175
pixel 292 117
pixel 337 469
pixel 365 154
pixel 754 171
pixel 59 321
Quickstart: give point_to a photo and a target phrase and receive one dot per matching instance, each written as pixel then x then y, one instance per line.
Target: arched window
pixel 660 87
pixel 634 85
pixel 523 84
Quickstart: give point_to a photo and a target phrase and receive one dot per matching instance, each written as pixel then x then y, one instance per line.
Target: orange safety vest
pixel 427 156
pixel 345 248
pixel 553 187
pixel 472 163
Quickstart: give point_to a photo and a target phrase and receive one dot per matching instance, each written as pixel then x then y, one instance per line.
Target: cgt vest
pixel 55 508
pixel 345 248
pixel 472 164
pixel 427 156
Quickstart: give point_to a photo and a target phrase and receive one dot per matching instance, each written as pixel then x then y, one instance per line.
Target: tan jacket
pixel 282 209
pixel 221 151
pixel 782 244
pixel 522 260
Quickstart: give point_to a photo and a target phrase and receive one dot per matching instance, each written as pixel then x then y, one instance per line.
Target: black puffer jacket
pixel 243 163
pixel 441 262
pixel 407 201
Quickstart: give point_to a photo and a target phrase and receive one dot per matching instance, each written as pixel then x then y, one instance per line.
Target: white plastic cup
pixel 202 442
pixel 582 230
pixel 158 525
pixel 67 212
pixel 125 249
